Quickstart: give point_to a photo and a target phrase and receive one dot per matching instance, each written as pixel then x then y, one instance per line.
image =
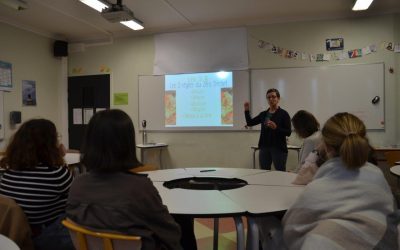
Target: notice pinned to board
pixel 5 76
pixel 77 116
pixel 120 98
pixel 87 115
pixel 100 109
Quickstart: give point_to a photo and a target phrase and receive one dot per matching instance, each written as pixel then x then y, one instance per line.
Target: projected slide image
pixel 227 106
pixel 199 100
pixel 170 107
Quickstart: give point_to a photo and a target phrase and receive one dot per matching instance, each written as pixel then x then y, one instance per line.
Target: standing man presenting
pixel 275 126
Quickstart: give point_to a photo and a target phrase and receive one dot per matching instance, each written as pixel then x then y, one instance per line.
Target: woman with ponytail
pixel 348 205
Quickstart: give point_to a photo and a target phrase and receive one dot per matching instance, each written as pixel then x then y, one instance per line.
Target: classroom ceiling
pixel 73 21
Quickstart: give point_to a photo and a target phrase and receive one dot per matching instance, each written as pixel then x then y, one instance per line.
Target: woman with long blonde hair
pixel 348 204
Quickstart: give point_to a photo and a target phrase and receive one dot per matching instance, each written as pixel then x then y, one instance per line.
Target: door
pixel 86 95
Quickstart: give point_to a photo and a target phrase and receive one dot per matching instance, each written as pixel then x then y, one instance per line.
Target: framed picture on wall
pixel 334 44
pixel 5 76
pixel 28 93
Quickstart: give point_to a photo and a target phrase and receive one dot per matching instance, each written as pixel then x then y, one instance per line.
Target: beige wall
pixel 357 33
pixel 397 72
pixel 32 58
pixel 129 57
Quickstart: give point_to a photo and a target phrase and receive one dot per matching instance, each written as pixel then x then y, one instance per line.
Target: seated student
pixel 310 166
pixel 348 205
pixel 112 198
pixel 306 127
pixel 38 182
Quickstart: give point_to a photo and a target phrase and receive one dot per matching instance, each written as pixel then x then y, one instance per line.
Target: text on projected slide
pixel 199 100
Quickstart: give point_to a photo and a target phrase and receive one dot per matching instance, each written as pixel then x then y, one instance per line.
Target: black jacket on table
pixel 275 138
pixel 126 203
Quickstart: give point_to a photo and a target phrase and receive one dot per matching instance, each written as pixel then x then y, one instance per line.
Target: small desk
pixel 73 160
pixel 289 147
pixel 144 147
pixel 384 149
pixel 380 153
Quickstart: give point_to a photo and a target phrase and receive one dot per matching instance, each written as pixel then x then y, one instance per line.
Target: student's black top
pixel 274 138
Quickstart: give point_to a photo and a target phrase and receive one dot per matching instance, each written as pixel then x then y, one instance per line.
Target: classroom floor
pixel 203 228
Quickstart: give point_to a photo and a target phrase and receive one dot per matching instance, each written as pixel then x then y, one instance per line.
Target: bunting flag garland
pixel 325 57
pixel 397 48
pixel 341 55
pixel 366 51
pixel 355 53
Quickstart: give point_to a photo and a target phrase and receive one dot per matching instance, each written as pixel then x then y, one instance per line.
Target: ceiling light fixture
pixel 361 5
pixel 122 14
pixel 115 13
pixel 95 4
pixel 15 4
pixel 133 24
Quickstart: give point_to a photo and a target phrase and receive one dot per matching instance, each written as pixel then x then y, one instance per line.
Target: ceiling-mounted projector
pixel 117 13
pixel 15 4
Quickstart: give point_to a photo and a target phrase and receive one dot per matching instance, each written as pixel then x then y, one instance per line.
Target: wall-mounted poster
pixel 28 93
pixel 334 44
pixel 5 76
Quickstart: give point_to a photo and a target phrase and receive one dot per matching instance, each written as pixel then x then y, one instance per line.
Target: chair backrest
pixel 86 239
pixel 14 223
pixel 392 157
pixel 144 168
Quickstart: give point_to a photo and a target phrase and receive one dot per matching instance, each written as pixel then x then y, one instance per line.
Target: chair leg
pixel 107 244
pixel 82 243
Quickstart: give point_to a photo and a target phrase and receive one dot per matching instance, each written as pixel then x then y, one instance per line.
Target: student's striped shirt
pixel 41 192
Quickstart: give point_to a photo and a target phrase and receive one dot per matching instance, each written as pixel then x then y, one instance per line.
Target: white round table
pixel 395 170
pixel 266 192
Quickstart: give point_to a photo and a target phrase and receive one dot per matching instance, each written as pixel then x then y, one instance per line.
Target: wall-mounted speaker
pixel 60 48
pixel 15 117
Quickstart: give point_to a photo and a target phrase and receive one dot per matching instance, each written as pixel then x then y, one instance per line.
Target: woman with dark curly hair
pixel 37 180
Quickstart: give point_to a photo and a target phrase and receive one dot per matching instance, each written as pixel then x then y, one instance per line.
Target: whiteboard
pixel 151 102
pixel 324 91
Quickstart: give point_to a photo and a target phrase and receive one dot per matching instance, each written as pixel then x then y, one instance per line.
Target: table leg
pixel 298 155
pixel 161 158
pixel 254 158
pixel 239 232
pixel 142 155
pixel 252 234
pixel 216 232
